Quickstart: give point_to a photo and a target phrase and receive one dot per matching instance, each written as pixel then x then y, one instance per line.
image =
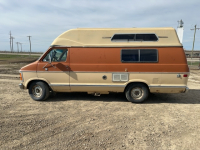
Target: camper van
pixel 136 61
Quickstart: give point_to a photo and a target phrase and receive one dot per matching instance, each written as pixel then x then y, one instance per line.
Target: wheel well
pixel 40 81
pixel 131 83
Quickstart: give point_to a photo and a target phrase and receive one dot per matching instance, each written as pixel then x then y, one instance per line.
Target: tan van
pixel 135 61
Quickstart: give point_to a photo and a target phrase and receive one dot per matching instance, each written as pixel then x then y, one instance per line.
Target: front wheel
pixel 39 91
pixel 137 93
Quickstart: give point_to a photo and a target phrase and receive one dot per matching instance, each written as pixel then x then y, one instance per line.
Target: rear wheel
pixel 39 91
pixel 137 93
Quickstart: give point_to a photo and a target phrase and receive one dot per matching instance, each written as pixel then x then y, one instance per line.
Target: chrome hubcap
pixel 136 93
pixel 37 91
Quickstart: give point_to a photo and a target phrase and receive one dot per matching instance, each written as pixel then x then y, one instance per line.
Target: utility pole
pixel 10 42
pixel 17 46
pixel 30 43
pixel 195 28
pixel 21 46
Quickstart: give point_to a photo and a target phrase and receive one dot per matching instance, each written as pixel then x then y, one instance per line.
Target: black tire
pixel 38 91
pixel 137 92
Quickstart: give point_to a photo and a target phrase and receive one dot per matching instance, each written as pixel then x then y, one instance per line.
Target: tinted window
pixel 149 55
pixel 134 37
pixel 129 56
pixel 141 55
pixel 126 37
pixel 146 37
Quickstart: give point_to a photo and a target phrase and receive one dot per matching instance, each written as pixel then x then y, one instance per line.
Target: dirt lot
pixel 82 121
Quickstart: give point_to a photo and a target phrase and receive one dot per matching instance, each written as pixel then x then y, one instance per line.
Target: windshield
pixel 42 55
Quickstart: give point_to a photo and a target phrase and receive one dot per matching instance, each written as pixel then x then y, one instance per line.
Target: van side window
pixel 134 37
pixel 139 55
pixel 146 37
pixel 123 37
pixel 148 55
pixel 130 56
pixel 59 55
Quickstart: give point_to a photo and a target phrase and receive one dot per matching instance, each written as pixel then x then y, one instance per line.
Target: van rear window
pixel 134 37
pixel 139 55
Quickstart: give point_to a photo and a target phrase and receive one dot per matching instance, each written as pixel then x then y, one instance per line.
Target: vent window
pixel 134 37
pixel 139 55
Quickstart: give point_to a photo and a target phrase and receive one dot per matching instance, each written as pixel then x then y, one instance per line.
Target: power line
pixel 30 43
pixel 17 47
pixel 10 42
pixel 21 46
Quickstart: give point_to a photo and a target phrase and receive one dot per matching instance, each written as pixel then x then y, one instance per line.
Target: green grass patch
pixel 13 57
pixel 17 58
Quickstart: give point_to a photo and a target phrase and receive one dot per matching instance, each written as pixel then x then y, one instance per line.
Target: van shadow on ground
pixel 192 97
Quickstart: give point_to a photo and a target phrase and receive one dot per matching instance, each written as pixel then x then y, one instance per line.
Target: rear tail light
pixel 20 76
pixel 185 75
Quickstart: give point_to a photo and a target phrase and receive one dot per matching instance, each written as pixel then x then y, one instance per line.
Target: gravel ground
pixel 82 121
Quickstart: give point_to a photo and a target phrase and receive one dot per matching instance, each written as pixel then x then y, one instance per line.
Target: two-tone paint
pixel 85 68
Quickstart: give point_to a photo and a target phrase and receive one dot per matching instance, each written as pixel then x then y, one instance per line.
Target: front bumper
pixel 21 86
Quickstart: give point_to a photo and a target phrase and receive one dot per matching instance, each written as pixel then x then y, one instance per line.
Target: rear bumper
pixel 21 86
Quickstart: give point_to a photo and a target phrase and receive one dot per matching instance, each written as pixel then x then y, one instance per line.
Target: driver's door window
pixel 57 55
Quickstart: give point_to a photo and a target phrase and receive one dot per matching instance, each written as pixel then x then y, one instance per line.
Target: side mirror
pixel 51 56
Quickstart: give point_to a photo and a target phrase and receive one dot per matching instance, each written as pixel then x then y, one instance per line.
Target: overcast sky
pixel 44 20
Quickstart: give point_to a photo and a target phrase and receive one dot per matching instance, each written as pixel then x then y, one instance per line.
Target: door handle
pixel 67 66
